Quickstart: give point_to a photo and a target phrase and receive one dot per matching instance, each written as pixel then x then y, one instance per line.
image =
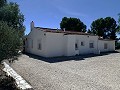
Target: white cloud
pixel 70 12
pixel 64 7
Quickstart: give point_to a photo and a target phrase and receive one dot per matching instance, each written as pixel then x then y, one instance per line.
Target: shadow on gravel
pixel 67 58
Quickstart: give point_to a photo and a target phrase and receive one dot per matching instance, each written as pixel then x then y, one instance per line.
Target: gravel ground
pixel 83 73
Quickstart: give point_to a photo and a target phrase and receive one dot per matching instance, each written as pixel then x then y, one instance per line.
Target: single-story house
pixel 48 42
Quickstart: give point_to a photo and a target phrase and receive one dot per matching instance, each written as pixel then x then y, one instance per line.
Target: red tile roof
pixel 61 31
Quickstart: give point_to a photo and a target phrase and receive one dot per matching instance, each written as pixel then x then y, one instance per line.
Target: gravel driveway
pixel 73 73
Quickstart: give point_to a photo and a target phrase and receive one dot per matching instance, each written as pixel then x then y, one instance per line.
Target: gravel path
pixel 93 73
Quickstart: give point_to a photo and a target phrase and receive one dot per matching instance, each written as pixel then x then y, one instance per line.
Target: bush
pixel 117 45
pixel 10 42
pixel 8 83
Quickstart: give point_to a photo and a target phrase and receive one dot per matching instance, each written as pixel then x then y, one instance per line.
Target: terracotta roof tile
pixel 61 31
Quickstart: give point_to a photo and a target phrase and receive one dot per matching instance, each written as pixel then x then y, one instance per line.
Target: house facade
pixel 53 42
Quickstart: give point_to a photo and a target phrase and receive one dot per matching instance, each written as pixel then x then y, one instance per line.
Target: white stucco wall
pixel 86 39
pixel 35 36
pixel 69 45
pixel 110 44
pixel 58 44
pixel 54 44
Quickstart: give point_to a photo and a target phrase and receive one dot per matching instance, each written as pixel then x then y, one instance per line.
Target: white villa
pixel 48 42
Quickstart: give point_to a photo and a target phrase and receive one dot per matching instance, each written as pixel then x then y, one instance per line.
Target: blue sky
pixel 49 13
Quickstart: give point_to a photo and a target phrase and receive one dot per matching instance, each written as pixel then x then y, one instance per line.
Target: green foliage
pixel 2 3
pixel 11 29
pixel 72 24
pixel 10 41
pixel 119 19
pixel 7 82
pixel 89 31
pixel 105 27
pixel 11 14
pixel 117 46
pixel 118 29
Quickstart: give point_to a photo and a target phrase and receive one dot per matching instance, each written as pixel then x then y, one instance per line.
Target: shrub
pixel 10 42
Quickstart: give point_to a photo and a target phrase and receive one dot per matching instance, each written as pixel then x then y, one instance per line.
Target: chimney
pixel 32 25
pixel 64 29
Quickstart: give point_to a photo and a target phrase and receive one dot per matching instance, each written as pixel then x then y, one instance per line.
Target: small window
pixel 39 45
pixel 26 42
pixel 31 43
pixel 82 43
pixel 76 46
pixel 91 45
pixel 105 46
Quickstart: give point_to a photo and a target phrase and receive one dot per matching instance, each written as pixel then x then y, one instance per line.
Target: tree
pixel 105 27
pixel 97 27
pixel 9 42
pixel 118 29
pixel 2 3
pixel 11 30
pixel 119 19
pixel 11 14
pixel 72 24
pixel 111 27
pixel 89 31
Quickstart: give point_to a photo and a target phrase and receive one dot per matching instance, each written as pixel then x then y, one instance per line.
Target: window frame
pixel 26 42
pixel 39 45
pixel 91 45
pixel 31 43
pixel 105 46
pixel 76 46
pixel 82 43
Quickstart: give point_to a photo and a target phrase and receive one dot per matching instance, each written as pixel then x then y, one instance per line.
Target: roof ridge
pixel 62 31
pixel 48 28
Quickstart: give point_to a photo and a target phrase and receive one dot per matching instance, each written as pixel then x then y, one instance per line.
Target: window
pixel 39 45
pixel 76 46
pixel 91 45
pixel 31 43
pixel 26 43
pixel 82 43
pixel 105 46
